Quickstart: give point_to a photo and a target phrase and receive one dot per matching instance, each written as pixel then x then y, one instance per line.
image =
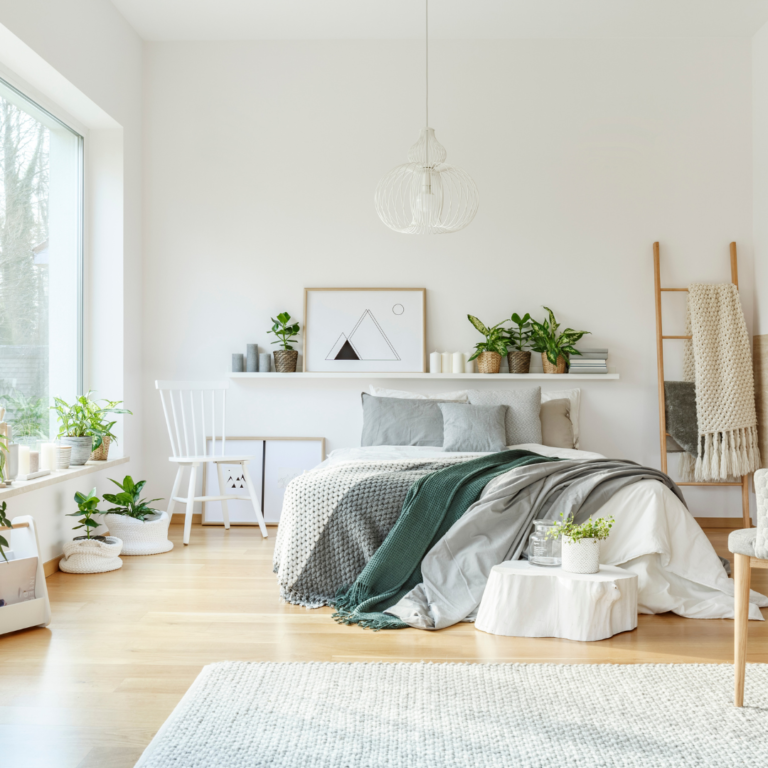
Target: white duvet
pixel 654 536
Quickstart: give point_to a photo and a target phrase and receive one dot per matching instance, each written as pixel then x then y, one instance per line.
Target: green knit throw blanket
pixel 433 504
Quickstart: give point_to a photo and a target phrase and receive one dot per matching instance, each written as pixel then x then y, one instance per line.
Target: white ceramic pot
pixel 147 538
pixel 92 556
pixel 81 449
pixel 581 556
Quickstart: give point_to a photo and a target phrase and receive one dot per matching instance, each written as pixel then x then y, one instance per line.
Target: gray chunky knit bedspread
pixel 335 518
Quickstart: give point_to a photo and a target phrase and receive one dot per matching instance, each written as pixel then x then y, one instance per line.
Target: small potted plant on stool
pixel 287 357
pixel 581 543
pixel 488 353
pixel 90 554
pixel 143 530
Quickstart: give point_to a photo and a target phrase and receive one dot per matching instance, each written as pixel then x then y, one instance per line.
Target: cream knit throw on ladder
pixel 719 360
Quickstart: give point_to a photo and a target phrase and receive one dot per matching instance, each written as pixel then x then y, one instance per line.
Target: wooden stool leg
pixel 741 577
pixel 190 503
pixel 746 518
pixel 222 491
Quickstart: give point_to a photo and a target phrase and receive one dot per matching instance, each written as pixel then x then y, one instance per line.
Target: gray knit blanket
pixel 335 518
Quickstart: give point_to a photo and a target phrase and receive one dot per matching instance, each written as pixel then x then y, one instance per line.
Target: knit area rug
pixel 324 715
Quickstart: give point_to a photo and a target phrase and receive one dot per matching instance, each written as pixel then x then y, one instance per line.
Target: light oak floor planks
pixel 92 689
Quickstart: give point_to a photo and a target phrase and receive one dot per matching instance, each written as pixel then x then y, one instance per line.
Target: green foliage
pixel 86 418
pixel 87 507
pixel 598 528
pixel 286 334
pixel 495 338
pixel 547 338
pixel 4 523
pixel 30 415
pixel 3 449
pixel 518 339
pixel 128 501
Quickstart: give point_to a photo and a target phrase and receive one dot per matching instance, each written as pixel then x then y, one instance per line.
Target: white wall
pixel 760 176
pixel 261 160
pixel 80 58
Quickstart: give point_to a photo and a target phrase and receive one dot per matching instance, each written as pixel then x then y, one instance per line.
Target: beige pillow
pixel 556 427
pixel 574 395
pixel 454 397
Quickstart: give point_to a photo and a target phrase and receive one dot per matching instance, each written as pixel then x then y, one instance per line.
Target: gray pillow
pixel 556 427
pixel 398 421
pixel 523 407
pixel 473 427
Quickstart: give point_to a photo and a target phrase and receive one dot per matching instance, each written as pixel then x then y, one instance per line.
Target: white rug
pixel 317 715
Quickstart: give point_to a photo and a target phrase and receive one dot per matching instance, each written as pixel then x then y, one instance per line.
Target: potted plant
pixel 90 554
pixel 286 332
pixel 488 353
pixel 82 425
pixel 581 543
pixel 101 428
pixel 142 529
pixel 4 523
pixel 518 357
pixel 554 345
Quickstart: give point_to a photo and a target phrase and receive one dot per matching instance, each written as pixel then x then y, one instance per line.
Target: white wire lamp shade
pixel 426 196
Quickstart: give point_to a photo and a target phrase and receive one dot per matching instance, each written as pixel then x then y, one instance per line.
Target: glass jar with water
pixel 544 549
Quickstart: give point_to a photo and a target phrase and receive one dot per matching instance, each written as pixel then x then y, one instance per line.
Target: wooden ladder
pixel 660 337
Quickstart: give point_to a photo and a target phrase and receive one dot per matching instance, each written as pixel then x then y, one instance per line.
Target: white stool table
pixel 524 600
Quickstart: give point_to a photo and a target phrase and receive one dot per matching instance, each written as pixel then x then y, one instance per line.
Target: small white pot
pixel 148 538
pixel 581 556
pixel 92 556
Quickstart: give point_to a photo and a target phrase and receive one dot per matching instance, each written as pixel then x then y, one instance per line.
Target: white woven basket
pixel 148 538
pixel 92 556
pixel 581 556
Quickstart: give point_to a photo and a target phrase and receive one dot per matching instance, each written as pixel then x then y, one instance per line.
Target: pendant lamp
pixel 426 196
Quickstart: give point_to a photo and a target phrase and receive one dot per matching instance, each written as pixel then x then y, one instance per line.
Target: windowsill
pixel 20 487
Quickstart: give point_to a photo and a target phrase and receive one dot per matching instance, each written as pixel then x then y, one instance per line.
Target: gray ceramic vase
pixel 81 449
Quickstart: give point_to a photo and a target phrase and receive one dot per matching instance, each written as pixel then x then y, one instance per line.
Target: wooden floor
pixel 92 689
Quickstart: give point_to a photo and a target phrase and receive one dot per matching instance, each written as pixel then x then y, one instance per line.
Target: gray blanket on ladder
pixel 680 410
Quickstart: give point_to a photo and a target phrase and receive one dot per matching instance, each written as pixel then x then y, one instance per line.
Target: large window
pixel 41 162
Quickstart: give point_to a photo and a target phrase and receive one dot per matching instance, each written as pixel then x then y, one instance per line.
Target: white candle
pixel 435 365
pixel 446 362
pixel 23 459
pixel 469 366
pixel 48 456
pixel 458 362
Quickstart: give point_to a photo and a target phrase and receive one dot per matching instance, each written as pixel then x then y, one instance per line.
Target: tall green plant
pixel 128 501
pixel 4 523
pixel 520 337
pixel 548 339
pixel 495 338
pixel 86 418
pixel 87 507
pixel 30 414
pixel 285 331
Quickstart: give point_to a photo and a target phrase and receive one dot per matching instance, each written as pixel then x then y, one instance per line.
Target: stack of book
pixel 590 361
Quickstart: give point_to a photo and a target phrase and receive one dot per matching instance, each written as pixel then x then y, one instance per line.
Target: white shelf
pixel 612 375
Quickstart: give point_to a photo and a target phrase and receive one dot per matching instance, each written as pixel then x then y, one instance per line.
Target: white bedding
pixel 654 536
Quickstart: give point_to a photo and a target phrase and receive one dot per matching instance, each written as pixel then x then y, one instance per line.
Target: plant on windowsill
pixel 83 426
pixel 554 345
pixel 142 529
pixel 518 356
pixel 90 554
pixel 488 353
pixel 286 332
pixel 581 543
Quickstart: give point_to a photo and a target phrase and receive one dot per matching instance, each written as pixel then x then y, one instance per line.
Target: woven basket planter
pixel 519 362
pixel 285 360
pixel 488 362
pixel 102 452
pixel 549 368
pixel 91 556
pixel 147 538
pixel 581 556
pixel 81 449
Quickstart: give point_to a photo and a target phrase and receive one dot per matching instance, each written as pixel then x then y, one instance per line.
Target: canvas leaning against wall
pixel 366 330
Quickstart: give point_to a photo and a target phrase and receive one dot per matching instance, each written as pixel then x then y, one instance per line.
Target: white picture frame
pixel 367 330
pixel 277 460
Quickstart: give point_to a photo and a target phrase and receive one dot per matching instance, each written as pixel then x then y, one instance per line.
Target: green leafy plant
pixel 4 523
pixel 286 334
pixel 86 418
pixel 30 415
pixel 548 339
pixel 3 449
pixel 596 528
pixel 495 338
pixel 128 501
pixel 87 507
pixel 518 339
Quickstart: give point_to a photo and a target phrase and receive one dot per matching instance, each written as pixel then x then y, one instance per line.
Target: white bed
pixel 654 536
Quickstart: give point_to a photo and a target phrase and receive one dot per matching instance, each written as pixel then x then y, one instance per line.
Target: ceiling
pixel 467 19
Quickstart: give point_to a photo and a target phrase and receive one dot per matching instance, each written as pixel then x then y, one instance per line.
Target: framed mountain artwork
pixel 365 330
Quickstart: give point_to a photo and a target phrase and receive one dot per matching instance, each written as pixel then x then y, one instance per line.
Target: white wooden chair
pixel 190 409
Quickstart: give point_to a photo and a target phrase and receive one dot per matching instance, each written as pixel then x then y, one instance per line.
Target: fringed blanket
pixel 334 519
pixel 719 360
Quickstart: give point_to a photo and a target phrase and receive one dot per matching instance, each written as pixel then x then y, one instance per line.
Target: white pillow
pixel 574 395
pixel 454 397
